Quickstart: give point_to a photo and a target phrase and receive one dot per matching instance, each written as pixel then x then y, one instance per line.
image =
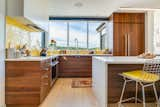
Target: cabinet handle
pixel 48 64
pixel 46 84
pixel 45 76
pixel 128 45
pixel 46 69
pixel 77 56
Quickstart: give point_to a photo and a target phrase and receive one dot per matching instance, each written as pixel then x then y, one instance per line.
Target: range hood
pixel 23 23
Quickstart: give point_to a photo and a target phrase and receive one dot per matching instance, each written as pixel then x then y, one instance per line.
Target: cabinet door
pixel 120 31
pixel 137 39
pixel 128 17
pixel 44 87
pixel 45 78
pixel 75 66
pixel 22 84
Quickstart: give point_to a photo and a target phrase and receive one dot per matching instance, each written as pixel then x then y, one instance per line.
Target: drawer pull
pixel 46 84
pixel 48 64
pixel 46 69
pixel 46 76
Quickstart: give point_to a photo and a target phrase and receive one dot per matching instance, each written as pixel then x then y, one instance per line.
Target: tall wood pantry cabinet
pixel 128 34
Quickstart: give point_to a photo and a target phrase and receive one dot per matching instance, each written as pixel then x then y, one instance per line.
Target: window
pixel 58 32
pixel 35 39
pixel 75 34
pixel 78 34
pixel 94 36
pixel 156 33
pixel 18 37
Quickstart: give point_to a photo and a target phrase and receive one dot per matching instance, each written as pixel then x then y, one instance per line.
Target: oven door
pixel 54 72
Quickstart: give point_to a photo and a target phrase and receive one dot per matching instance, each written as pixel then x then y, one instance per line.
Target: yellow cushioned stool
pixel 146 77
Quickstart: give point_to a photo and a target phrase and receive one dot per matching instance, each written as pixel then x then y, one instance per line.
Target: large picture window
pixel 75 34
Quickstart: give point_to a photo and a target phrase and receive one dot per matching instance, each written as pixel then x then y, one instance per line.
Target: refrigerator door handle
pixel 126 44
pixel 129 44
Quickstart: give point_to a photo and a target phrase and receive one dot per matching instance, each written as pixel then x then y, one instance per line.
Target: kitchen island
pixel 107 83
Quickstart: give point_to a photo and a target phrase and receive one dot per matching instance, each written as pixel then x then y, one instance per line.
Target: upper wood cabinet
pixel 128 17
pixel 128 34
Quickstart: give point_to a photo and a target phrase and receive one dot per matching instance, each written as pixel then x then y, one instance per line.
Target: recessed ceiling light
pixel 78 4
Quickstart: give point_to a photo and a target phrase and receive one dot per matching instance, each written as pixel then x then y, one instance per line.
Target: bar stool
pixel 146 78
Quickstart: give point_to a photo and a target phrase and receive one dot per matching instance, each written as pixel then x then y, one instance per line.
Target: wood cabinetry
pixel 75 66
pixel 27 82
pixel 128 34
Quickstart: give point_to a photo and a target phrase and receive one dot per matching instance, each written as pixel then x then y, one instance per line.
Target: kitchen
pixel 62 59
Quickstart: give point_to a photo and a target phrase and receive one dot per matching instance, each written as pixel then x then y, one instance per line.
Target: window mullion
pixel 68 34
pixel 87 35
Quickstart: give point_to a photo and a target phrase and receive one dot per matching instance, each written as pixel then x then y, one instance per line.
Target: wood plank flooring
pixel 63 95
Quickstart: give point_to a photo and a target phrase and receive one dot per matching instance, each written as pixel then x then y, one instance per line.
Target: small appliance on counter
pixel 11 53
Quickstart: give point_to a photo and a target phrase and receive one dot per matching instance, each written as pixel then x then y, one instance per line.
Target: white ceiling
pixel 96 8
pixel 154 4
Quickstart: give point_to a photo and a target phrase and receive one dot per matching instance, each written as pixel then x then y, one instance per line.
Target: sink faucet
pixel 76 44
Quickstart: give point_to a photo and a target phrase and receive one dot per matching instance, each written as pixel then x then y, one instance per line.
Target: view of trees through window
pixel 75 34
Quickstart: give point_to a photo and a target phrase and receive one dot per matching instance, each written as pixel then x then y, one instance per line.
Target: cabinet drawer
pixel 45 86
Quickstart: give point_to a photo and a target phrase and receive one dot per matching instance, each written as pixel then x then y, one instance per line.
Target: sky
pixel 78 30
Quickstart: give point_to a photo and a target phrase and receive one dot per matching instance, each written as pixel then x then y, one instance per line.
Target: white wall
pixel 2 53
pixel 15 7
pixel 149 30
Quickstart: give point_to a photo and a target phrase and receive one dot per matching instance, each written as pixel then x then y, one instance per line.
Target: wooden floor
pixel 63 95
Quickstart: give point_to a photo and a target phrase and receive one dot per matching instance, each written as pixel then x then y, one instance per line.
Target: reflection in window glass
pixel 58 32
pixel 35 39
pixel 78 34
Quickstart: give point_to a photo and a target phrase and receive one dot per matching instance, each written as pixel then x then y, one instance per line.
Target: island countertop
pixel 122 59
pixel 30 58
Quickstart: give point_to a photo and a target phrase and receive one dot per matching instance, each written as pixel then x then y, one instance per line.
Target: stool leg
pixel 155 92
pixel 143 94
pixel 121 98
pixel 136 92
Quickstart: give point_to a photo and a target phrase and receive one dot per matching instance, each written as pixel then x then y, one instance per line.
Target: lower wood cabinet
pixel 75 66
pixel 27 82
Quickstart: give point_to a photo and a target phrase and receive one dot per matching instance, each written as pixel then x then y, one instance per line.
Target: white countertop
pixel 30 58
pixel 122 59
pixel 84 54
